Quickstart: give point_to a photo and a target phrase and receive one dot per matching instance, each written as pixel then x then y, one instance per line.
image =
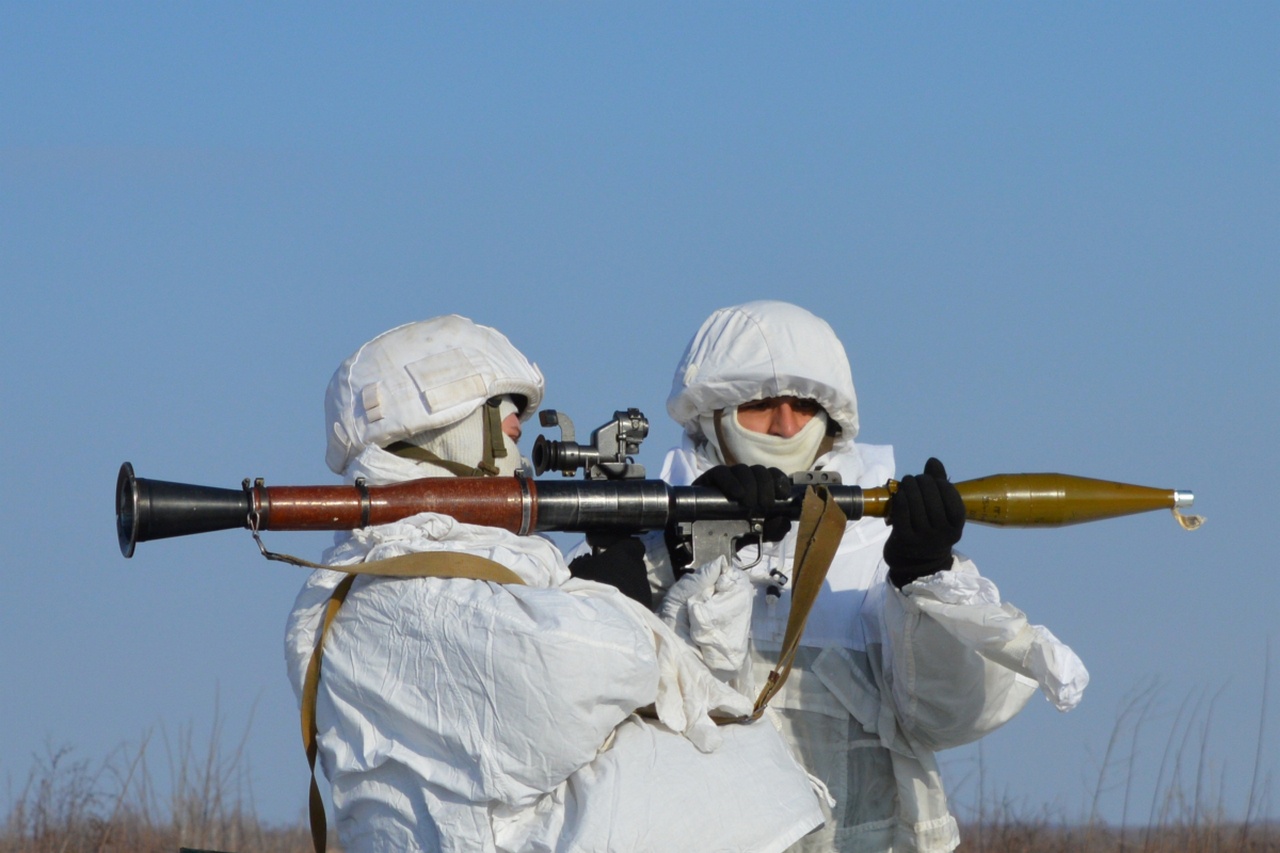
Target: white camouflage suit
pixel 464 715
pixel 884 678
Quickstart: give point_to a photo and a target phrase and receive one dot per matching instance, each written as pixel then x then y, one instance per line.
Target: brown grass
pixel 1187 812
pixel 72 805
pixel 1033 837
pixel 69 804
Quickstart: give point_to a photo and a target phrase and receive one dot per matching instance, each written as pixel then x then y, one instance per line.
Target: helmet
pixel 758 350
pixel 422 376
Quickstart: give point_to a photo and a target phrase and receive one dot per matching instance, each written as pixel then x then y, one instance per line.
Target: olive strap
pixel 405 450
pixel 422 564
pixel 822 525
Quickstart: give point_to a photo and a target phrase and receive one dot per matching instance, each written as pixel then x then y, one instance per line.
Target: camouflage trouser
pixel 858 773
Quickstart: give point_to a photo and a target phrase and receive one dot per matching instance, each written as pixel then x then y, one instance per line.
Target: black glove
pixel 927 515
pixel 755 487
pixel 617 561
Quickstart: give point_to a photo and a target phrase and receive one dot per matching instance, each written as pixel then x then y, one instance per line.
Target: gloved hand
pixel 616 560
pixel 927 515
pixel 755 487
pixel 711 609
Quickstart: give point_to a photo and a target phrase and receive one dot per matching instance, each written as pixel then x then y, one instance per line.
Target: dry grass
pixel 69 804
pixel 1033 837
pixel 1187 811
pixel 72 805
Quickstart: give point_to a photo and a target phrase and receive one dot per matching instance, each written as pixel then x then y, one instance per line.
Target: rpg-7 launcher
pixel 614 496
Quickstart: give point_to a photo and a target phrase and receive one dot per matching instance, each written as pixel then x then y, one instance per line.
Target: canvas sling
pixel 424 564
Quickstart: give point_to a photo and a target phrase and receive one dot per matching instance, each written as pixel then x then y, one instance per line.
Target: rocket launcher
pixel 613 496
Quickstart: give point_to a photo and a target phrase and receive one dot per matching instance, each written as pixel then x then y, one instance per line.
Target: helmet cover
pixel 422 376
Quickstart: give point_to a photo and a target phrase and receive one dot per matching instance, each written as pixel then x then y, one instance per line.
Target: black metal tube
pixel 629 505
pixel 697 503
pixel 156 509
pixel 578 506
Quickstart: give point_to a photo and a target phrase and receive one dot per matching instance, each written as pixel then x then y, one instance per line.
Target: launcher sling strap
pixel 424 564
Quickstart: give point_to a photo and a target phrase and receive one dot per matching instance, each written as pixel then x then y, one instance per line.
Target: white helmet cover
pixel 421 376
pixel 759 350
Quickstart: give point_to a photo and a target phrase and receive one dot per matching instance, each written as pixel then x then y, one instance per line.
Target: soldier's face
pixel 780 416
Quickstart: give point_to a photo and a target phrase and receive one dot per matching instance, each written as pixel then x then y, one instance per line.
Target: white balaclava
pixel 464 443
pixel 441 386
pixel 790 454
pixel 756 351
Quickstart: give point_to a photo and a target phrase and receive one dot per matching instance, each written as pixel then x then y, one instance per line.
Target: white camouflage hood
pixel 758 350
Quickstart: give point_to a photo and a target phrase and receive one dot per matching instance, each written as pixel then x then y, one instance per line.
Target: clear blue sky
pixel 1049 236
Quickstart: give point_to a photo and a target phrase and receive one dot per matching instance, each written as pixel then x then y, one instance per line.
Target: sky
pixel 1048 236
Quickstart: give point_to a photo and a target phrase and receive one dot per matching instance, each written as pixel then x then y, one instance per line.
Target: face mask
pixel 461 447
pixel 513 462
pixel 793 454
